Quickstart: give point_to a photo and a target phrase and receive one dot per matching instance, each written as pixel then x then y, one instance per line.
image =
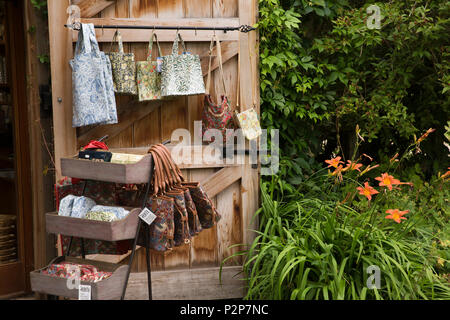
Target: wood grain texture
pixel 61 52
pixel 134 111
pixel 106 35
pixel 194 284
pixel 197 8
pixel 225 8
pixel 170 8
pixel 221 180
pixel 143 9
pixel 229 229
pixel 90 8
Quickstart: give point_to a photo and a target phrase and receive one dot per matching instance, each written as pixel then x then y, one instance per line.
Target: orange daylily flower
pixel 334 162
pixel 425 135
pixel 353 166
pixel 387 181
pixel 338 172
pixel 445 175
pixel 396 215
pixel 367 191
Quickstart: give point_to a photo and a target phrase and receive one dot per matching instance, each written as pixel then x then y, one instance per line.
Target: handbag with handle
pixel 123 68
pixel 181 74
pixel 248 119
pixel 206 211
pixel 217 115
pixel 148 77
pixel 93 96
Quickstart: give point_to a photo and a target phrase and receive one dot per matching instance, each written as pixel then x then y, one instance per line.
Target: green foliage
pixel 323 71
pixel 40 5
pixel 44 58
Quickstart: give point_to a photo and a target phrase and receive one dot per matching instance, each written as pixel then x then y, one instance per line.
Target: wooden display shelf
pixel 91 229
pixel 108 289
pixel 105 171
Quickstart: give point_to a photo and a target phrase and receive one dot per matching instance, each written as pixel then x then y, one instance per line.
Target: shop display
pixel 69 270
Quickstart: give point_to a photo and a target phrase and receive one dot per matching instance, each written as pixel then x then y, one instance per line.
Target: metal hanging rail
pixel 243 28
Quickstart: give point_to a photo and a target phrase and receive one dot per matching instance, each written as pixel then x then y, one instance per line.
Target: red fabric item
pixel 95 145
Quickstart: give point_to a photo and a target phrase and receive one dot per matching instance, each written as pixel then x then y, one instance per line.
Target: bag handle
pixel 150 47
pixel 175 44
pixel 172 163
pixel 118 37
pixel 87 42
pixel 253 75
pixel 219 56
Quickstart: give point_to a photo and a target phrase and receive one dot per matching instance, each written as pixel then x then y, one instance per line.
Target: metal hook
pixel 195 31
pixel 103 30
pixel 214 31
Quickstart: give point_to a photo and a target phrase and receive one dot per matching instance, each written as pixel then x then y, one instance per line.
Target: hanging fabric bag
pixel 148 77
pixel 123 68
pixel 248 119
pixel 217 115
pixel 181 74
pixel 93 100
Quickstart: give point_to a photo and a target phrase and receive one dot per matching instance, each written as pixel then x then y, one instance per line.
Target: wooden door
pixel 234 188
pixel 16 239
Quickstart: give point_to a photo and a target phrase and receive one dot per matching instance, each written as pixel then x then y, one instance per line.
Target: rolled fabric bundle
pixel 81 206
pixel 66 205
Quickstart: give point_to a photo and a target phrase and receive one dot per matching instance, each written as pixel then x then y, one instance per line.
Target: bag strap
pixel 219 56
pixel 150 47
pixel 253 75
pixel 118 37
pixel 175 44
pixel 87 42
pixel 175 167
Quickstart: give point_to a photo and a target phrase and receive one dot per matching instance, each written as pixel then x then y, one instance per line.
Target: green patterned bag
pixel 148 77
pixel 123 68
pixel 181 73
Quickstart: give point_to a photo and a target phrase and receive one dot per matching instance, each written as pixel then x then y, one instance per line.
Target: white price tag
pixel 147 216
pixel 84 292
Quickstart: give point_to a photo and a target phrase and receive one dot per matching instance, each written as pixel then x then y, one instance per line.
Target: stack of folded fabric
pixel 70 270
pixel 86 208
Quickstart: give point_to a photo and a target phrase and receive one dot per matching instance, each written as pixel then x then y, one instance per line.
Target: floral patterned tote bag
pixel 93 97
pixel 181 73
pixel 123 68
pixel 216 115
pixel 148 77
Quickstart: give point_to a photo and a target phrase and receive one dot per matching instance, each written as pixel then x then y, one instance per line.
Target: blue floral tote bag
pixel 92 99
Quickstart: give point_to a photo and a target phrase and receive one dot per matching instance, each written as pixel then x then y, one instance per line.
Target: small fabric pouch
pixel 249 123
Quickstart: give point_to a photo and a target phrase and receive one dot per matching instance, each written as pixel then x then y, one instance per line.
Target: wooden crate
pixel 108 289
pixel 91 229
pixel 105 171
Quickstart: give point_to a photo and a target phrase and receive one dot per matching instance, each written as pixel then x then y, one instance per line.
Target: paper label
pixel 147 216
pixel 159 63
pixel 84 292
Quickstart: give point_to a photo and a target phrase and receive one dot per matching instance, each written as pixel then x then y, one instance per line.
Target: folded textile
pixel 70 270
pixel 66 205
pixel 101 216
pixel 81 206
pixel 105 212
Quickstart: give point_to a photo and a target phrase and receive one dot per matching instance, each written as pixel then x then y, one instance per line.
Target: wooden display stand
pixel 112 288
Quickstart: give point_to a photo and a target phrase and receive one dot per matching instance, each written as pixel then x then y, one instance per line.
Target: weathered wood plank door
pixel 234 188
